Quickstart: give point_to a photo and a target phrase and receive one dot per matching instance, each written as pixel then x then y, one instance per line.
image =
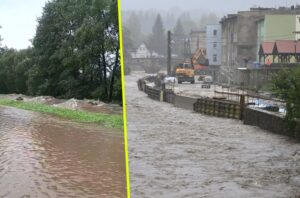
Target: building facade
pixel 240 39
pixel 198 40
pixel 229 27
pixel 278 27
pixel 213 44
pixel 143 52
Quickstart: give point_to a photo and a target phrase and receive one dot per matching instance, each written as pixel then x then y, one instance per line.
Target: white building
pixel 143 52
pixel 213 44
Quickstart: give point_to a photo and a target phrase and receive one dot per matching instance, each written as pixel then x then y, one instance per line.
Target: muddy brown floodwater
pixel 43 156
pixel 177 153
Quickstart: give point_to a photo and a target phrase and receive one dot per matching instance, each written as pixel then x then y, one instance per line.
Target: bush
pixel 286 85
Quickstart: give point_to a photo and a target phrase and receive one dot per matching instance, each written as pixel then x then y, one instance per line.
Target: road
pixel 177 153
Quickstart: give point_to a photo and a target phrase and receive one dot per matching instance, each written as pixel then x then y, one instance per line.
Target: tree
pixel 187 23
pixel 178 29
pixel 133 24
pixel 24 61
pixel 14 66
pixel 127 48
pixel 157 41
pixel 115 88
pixel 7 67
pixel 206 19
pixel 74 45
pixel 179 36
pixel 75 53
pixel 0 37
pixel 1 50
pixel 212 18
pixel 56 70
pixel 100 32
pixel 203 21
pixel 286 85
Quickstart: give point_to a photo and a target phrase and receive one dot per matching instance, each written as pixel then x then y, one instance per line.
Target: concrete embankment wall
pixel 153 93
pixel 265 120
pixel 184 102
pixel 169 96
pixel 270 121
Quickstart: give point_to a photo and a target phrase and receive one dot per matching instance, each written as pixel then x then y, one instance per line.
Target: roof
pixel 228 17
pixel 287 47
pixel 137 46
pixel 280 47
pixel 266 48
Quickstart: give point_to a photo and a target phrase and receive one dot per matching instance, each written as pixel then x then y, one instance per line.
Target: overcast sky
pixel 18 19
pixel 221 6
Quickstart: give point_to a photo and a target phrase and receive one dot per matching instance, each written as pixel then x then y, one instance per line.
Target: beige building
pixel 240 34
pixel 198 40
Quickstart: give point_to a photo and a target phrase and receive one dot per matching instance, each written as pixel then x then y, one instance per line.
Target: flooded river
pixel 177 153
pixel 43 156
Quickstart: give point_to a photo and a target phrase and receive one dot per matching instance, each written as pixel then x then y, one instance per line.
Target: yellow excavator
pixel 185 72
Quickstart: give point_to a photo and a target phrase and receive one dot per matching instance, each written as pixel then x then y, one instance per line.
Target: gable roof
pixel 266 47
pixel 279 47
pixel 286 47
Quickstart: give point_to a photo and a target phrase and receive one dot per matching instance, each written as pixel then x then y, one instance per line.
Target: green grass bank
pixel 111 121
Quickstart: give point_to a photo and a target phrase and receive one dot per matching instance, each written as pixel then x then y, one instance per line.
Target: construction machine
pixel 199 57
pixel 192 64
pixel 185 70
pixel 201 66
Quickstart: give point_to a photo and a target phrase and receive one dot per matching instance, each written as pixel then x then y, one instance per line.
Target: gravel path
pixel 177 153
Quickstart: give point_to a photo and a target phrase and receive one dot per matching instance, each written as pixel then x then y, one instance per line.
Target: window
pixel 215 58
pixel 215 32
pixel 215 44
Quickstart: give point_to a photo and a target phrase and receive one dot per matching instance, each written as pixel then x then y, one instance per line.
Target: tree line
pixel 142 24
pixel 136 31
pixel 75 53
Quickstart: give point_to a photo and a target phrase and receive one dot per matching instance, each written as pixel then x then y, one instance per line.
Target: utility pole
pixel 169 54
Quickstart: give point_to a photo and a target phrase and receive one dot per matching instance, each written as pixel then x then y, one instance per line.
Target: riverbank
pixel 108 120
